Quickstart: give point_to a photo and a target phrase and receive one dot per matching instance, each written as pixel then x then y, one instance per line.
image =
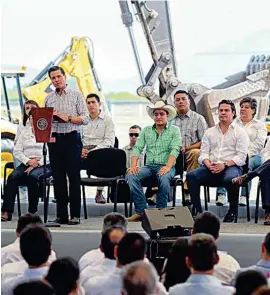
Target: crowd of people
pixel 120 265
pixel 212 156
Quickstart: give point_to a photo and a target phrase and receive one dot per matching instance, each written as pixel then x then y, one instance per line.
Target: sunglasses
pixel 133 134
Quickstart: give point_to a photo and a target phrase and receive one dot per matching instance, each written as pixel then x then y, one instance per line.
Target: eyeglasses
pixel 133 134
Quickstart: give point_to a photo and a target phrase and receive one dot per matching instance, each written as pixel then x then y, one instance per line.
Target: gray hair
pixel 139 278
pixel 114 218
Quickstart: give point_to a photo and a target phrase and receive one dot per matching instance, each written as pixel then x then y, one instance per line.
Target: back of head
pixel 110 238
pixel 114 218
pixel 202 252
pixel 248 281
pixel 208 223
pixel 266 243
pixel 35 244
pixel 34 288
pixel 27 219
pixel 139 278
pixel 131 248
pixel 63 275
pixel 264 290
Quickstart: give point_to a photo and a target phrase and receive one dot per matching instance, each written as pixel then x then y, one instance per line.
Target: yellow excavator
pixel 77 61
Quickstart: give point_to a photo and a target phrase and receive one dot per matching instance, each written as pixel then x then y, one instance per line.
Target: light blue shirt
pixel 203 285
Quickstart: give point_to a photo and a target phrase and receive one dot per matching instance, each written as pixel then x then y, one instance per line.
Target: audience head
pixel 110 238
pixel 266 247
pixel 27 108
pixel 114 218
pixel 63 275
pixel 35 244
pixel 248 108
pixel 34 288
pixel 248 281
pixel 139 278
pixel 226 111
pixel 176 270
pixel 131 248
pixel 134 132
pixel 202 253
pixel 207 223
pixel 181 101
pixel 25 220
pixel 93 103
pixel 264 290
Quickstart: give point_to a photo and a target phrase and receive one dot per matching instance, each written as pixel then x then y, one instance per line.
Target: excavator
pixel 155 19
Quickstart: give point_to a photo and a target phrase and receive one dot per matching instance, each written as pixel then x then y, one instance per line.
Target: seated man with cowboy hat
pixel 161 142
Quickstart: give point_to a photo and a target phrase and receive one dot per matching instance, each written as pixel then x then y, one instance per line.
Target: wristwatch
pixel 69 119
pixel 226 165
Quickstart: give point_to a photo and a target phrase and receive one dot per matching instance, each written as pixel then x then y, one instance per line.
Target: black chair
pixel 257 201
pixel 109 166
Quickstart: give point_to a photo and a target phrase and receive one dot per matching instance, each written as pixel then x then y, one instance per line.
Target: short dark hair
pixel 248 281
pixel 114 218
pixel 252 102
pixel 25 116
pixel 208 223
pixel 35 244
pixel 266 243
pixel 229 102
pixel 180 92
pixel 202 252
pixel 136 127
pixel 63 275
pixel 93 95
pixel 106 243
pixel 56 68
pixel 27 219
pixel 131 248
pixel 33 288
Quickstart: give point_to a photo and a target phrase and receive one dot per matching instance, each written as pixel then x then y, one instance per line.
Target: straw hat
pixel 160 105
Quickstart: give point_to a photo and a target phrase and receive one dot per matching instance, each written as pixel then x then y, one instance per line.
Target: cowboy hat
pixel 160 105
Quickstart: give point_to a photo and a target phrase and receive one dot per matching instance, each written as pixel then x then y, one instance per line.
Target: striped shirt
pixel 72 103
pixel 192 127
pixel 158 146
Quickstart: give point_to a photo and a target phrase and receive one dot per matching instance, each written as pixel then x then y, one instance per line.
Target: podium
pixel 42 124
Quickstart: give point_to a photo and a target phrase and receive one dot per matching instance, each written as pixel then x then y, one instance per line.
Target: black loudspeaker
pixel 167 223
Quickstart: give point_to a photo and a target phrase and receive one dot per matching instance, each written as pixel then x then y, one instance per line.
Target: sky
pixel 33 32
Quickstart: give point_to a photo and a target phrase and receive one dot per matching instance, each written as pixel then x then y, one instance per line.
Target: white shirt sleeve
pixel 205 148
pixel 18 151
pixel 242 145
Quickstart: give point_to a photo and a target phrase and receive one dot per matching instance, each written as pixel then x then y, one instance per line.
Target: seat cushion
pixel 98 181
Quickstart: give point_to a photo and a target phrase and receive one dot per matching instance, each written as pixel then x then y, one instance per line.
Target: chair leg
pixel 108 194
pixel 19 204
pixel 174 196
pixel 115 198
pixel 183 193
pixel 126 209
pixel 46 202
pixel 257 203
pixel 130 206
pixel 205 198
pixel 84 202
pixel 208 194
pixel 248 209
pixel 237 206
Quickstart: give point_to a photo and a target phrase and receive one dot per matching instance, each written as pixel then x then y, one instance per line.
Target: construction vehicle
pixel 155 20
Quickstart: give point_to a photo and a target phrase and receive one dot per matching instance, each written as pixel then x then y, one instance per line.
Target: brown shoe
pixel 100 199
pixel 266 219
pixel 240 179
pixel 135 217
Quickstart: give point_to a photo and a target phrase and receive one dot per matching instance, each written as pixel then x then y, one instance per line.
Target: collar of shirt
pixel 129 147
pixel 232 125
pixel 166 127
pixel 65 91
pixel 206 279
pixel 101 115
pixel 36 272
pixel 263 263
pixel 187 114
pixel 239 121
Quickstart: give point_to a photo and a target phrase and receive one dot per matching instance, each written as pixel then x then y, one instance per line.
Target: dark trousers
pixel 203 176
pixel 65 160
pixel 17 178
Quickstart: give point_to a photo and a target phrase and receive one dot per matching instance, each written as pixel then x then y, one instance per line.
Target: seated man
pixel 192 128
pixel 224 150
pixel 162 142
pixel 97 134
pixel 263 172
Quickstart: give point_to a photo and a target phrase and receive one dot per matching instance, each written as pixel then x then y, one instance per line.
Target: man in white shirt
pixel 12 253
pixel 35 245
pixel 131 248
pixel 201 259
pixel 224 150
pixel 95 257
pixel 97 134
pixel 208 223
pixel 110 238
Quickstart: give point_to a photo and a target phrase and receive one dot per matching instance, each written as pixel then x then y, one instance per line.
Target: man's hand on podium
pixel 60 117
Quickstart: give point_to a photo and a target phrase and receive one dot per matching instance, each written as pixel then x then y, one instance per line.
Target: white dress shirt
pixel 30 274
pixel 218 147
pixel 257 134
pixel 91 258
pixel 99 131
pixel 266 152
pixel 27 147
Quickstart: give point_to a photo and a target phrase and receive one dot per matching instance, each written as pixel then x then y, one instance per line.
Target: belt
pixel 55 134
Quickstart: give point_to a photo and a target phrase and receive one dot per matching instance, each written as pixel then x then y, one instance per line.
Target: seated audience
pixel 140 278
pixel 30 172
pixel 110 238
pixel 262 265
pixel 257 133
pixel 223 152
pixel 225 269
pixel 94 257
pixel 63 276
pixel 34 288
pixel 248 281
pixel 175 268
pixel 201 259
pixel 35 245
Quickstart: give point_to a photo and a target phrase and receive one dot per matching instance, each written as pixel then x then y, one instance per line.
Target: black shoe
pixel 60 220
pixel 229 217
pixel 74 221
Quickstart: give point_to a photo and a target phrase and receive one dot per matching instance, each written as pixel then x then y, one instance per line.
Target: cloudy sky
pixel 35 32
